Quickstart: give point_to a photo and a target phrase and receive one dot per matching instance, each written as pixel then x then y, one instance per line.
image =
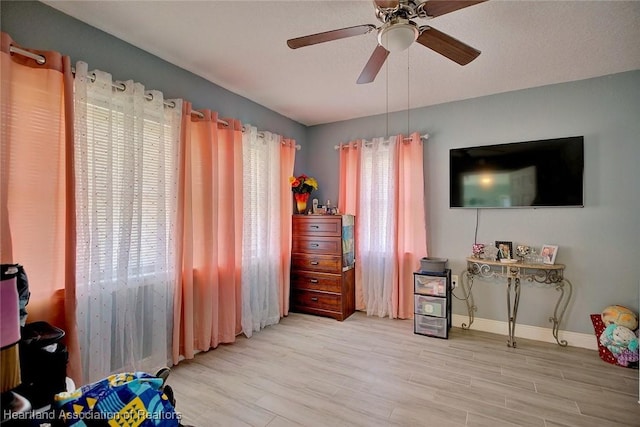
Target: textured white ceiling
pixel 241 46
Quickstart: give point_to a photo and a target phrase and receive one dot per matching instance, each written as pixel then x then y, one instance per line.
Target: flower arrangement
pixel 478 250
pixel 522 251
pixel 303 184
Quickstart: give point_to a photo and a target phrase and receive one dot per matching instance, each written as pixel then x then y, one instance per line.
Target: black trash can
pixel 43 363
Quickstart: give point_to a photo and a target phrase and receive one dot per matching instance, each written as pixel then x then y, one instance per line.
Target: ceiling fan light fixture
pixel 397 35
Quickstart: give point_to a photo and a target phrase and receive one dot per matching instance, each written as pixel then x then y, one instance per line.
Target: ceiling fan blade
pixel 328 36
pixel 373 66
pixel 387 4
pixel 447 46
pixel 435 8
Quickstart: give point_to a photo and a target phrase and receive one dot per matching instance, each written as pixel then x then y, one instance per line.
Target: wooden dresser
pixel 322 265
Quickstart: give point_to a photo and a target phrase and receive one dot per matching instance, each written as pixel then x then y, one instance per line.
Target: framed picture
pixel 549 253
pixel 505 249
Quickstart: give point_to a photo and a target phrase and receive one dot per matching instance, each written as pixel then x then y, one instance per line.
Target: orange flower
pixel 303 184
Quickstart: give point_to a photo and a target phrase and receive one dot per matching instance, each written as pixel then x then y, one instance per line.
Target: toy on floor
pixel 621 316
pixel 621 342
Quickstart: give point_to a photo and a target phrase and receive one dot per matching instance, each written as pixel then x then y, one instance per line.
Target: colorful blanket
pixel 127 399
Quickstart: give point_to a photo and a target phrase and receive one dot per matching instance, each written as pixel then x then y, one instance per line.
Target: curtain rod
pixel 38 58
pixel 118 86
pixel 336 147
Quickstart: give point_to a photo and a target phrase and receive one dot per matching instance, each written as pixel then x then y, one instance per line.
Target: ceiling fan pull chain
pixel 408 94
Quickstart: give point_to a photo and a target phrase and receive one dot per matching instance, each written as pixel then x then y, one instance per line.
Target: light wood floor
pixel 367 371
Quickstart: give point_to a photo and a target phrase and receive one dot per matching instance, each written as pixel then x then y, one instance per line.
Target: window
pixel 129 191
pixel 376 205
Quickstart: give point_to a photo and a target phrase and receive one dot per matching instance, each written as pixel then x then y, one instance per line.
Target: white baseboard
pixel 574 339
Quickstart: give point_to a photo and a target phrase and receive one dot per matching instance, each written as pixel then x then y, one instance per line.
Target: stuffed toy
pixel 621 316
pixel 622 342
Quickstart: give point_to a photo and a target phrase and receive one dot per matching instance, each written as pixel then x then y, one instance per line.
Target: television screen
pixel 547 173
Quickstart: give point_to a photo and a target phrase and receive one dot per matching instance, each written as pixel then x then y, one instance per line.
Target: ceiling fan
pixel 398 32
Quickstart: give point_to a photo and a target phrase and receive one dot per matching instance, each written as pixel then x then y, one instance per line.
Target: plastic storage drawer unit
pixel 432 303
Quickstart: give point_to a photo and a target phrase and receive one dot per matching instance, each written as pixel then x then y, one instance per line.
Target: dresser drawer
pixel 317 225
pixel 432 326
pixel 430 285
pixel 324 263
pixel 318 245
pixel 316 281
pixel 430 306
pixel 316 300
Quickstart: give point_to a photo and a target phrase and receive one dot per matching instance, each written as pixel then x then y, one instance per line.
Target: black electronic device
pixel 545 173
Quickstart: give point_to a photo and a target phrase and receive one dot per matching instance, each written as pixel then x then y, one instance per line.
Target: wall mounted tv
pixel 546 173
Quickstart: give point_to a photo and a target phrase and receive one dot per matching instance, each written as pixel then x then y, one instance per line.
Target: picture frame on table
pixel 549 253
pixel 505 249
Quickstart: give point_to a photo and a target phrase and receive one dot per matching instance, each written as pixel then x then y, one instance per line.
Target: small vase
pixel 301 202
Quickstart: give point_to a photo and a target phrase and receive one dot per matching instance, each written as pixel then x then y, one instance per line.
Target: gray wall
pixel 598 243
pixel 38 26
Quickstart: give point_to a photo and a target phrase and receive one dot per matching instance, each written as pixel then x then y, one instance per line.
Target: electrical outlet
pixel 454 281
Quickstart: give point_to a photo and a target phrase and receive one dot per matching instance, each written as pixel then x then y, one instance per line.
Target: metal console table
pixel 551 275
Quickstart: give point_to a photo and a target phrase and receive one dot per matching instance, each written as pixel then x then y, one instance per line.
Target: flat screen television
pixel 545 173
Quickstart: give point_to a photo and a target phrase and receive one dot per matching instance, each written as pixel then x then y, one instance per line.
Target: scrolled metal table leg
pixel 510 342
pixel 466 283
pixel 556 319
pixel 513 311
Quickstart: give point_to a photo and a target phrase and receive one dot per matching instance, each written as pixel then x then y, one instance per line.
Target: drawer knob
pixel 314 298
pixel 313 226
pixel 313 280
pixel 314 245
pixel 314 263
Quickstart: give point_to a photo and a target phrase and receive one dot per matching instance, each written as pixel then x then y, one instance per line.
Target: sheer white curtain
pixel 261 236
pixel 377 225
pixel 126 160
